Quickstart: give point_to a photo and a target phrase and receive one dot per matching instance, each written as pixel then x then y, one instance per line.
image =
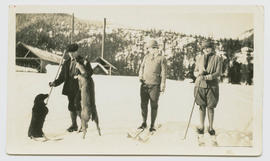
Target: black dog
pixel 39 113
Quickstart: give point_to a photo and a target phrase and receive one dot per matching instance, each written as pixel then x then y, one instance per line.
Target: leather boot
pixel 74 126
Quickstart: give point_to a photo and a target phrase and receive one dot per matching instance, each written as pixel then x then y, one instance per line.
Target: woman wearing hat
pixel 208 69
pixel 71 86
pixel 152 75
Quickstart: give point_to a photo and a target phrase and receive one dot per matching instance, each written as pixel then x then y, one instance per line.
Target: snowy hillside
pixel 118 105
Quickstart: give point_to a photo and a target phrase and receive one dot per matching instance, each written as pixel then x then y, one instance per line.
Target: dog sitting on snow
pixel 39 112
pixel 86 85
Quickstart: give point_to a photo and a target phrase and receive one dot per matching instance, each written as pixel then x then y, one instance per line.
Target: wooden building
pixel 31 57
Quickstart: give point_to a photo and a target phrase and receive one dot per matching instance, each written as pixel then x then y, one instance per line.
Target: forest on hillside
pixel 125 48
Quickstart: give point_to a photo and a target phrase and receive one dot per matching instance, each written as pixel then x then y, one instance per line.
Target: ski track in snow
pixel 118 105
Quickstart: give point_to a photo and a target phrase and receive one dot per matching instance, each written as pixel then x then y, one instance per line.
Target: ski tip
pixel 58 139
pixel 128 135
pixel 142 140
pixel 201 144
pixel 183 139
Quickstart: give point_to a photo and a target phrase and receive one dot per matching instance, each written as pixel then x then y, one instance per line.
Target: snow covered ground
pixel 118 105
pixel 25 69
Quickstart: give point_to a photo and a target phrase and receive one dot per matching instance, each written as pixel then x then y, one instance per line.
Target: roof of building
pixel 42 54
pixel 94 65
pixel 104 61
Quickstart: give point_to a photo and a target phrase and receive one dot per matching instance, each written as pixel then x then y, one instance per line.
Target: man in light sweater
pixel 152 75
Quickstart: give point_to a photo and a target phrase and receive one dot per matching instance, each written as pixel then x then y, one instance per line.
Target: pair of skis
pixel 207 141
pixel 142 135
pixel 46 139
pixel 51 137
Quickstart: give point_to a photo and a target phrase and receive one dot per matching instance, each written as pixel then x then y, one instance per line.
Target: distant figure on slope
pixel 208 69
pixel 71 86
pixel 152 75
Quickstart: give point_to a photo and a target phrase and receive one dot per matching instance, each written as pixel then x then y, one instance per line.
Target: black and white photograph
pixel 135 80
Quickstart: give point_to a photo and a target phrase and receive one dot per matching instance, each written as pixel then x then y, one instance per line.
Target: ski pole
pixel 58 70
pixel 191 112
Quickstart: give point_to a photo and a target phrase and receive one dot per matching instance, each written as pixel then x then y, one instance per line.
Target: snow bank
pixel 25 69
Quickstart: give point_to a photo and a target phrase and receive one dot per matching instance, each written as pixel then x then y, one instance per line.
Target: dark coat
pixel 39 112
pixel 71 85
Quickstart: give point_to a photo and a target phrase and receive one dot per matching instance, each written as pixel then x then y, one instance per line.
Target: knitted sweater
pixel 153 70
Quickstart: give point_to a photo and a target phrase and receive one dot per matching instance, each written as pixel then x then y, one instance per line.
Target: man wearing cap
pixel 152 75
pixel 208 69
pixel 71 86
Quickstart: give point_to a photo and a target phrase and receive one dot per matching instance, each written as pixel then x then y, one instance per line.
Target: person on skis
pixel 152 76
pixel 208 69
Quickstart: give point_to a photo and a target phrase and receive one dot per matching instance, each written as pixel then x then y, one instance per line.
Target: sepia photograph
pixel 154 80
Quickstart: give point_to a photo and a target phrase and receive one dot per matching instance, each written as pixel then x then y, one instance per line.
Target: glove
pixel 208 77
pixel 201 77
pixel 51 84
pixel 203 73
